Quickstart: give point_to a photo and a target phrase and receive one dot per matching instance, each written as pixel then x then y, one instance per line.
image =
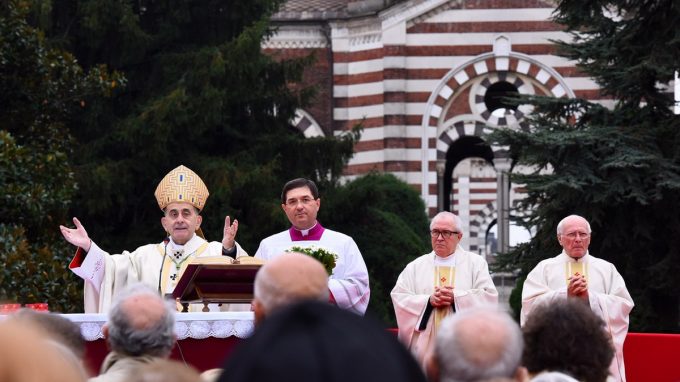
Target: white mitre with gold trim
pixel 181 185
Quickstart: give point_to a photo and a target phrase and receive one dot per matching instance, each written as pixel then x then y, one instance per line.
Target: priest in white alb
pixel 576 274
pixel 440 283
pixel 181 195
pixel 348 283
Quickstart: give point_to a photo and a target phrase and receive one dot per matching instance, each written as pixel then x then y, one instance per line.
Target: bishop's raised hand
pixel 230 229
pixel 76 236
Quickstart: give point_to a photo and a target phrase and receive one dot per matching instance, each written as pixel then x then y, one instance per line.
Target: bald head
pixel 144 310
pixel 573 234
pixel 289 278
pixel 485 335
pixel 478 344
pixel 141 323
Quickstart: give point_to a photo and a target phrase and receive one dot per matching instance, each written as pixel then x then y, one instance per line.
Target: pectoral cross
pixel 178 254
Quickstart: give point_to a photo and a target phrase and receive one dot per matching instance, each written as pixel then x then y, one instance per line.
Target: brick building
pixel 425 79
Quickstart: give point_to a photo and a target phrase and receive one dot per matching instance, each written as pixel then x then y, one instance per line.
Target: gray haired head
pixel 141 323
pixel 560 225
pixel 446 215
pixel 478 344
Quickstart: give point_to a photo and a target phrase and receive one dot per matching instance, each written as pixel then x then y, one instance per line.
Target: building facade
pixel 426 80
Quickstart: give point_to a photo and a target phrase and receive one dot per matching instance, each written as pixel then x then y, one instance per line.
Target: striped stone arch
pixel 508 119
pixel 481 222
pixel 493 66
pixel 478 226
pixel 304 122
pixel 465 128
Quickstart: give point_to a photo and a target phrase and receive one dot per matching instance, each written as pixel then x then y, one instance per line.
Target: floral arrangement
pixel 324 256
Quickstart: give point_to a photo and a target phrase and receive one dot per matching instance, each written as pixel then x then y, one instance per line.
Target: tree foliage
pixel 617 166
pixel 200 93
pixel 42 89
pixel 387 220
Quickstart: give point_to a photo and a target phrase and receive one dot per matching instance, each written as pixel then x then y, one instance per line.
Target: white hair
pixel 456 349
pixel 124 337
pixel 448 215
pixel 560 225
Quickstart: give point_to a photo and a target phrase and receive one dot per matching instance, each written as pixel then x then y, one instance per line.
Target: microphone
pixel 160 271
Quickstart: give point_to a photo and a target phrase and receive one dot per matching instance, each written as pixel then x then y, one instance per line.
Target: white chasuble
pixel 472 286
pixel 608 296
pixel 106 275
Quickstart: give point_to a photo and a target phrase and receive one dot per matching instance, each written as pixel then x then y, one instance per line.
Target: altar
pixel 204 340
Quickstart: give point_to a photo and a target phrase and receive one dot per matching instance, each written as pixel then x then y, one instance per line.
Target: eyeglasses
pixel 445 234
pixel 294 202
pixel 574 235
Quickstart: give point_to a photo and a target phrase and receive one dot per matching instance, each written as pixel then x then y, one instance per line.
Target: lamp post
pixel 676 105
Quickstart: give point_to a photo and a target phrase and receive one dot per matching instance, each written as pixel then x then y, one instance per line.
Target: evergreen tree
pixel 200 93
pixel 42 90
pixel 387 220
pixel 618 167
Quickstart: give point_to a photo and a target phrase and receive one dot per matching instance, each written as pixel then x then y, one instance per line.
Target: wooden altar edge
pixel 216 283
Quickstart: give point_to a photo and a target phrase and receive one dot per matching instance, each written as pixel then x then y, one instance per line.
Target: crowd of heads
pixel 304 338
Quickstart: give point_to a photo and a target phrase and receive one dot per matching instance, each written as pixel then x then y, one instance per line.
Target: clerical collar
pixel 576 259
pixel 312 234
pixel 449 260
pixel 176 246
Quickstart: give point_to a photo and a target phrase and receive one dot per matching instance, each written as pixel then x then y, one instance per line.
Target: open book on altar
pixel 209 280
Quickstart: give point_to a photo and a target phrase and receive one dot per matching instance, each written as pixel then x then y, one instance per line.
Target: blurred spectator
pixel 567 337
pixel 164 370
pixel 140 330
pixel 478 344
pixel 28 354
pixel 60 328
pixel 286 279
pixel 314 341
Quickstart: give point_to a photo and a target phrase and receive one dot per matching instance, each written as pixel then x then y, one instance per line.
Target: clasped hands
pixel 442 296
pixel 578 287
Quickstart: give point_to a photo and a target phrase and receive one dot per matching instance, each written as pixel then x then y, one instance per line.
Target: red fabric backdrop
pixel 649 357
pixel 652 357
pixel 202 354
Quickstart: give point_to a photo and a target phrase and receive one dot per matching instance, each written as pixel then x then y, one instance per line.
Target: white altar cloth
pixel 197 325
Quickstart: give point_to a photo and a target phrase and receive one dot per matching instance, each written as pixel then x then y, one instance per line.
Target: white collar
pixel 190 246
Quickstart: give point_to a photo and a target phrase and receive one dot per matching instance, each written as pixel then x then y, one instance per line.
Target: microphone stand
pixel 160 272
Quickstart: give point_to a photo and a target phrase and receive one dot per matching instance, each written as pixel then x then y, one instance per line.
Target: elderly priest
pixel 181 195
